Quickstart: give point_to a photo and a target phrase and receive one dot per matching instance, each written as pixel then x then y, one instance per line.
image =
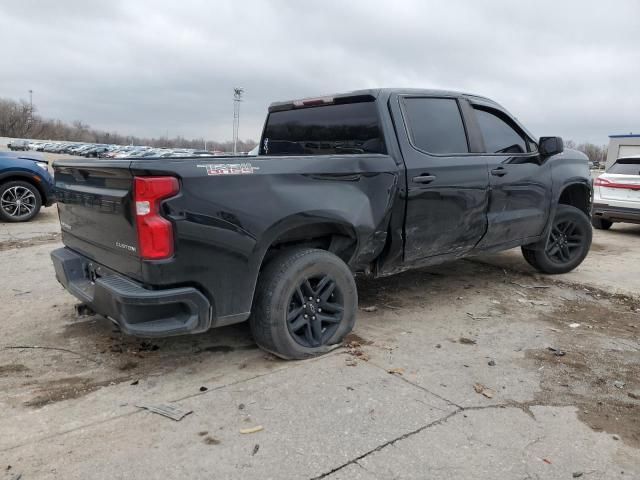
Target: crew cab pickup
pixel 369 182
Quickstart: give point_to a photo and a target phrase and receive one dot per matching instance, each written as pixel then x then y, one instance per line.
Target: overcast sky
pixel 569 68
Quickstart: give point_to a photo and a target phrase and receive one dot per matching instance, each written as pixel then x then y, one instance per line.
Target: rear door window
pixel 499 136
pixel 435 125
pixel 626 167
pixel 349 128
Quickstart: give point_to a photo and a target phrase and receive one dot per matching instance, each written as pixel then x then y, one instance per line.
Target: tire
pixel 285 322
pixel 568 243
pixel 601 223
pixel 19 201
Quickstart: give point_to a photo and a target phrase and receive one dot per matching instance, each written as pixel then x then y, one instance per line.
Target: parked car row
pixel 93 150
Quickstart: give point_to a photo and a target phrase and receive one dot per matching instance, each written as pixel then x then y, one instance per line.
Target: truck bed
pixel 227 214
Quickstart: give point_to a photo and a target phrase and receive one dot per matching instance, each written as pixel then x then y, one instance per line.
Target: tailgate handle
pixel 499 172
pixel 424 178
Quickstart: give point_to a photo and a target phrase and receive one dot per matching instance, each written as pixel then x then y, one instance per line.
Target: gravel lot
pixel 448 375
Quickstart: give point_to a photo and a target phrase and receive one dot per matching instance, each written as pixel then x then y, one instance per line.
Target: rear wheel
pixel 306 301
pixel 19 201
pixel 601 223
pixel 568 243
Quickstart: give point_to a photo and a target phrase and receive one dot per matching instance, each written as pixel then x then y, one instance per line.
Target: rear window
pixel 435 125
pixel 628 166
pixel 348 128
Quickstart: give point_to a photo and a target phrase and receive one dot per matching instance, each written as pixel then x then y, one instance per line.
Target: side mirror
pixel 549 146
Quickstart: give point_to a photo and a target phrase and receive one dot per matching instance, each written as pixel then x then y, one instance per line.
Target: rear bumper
pixel 137 310
pixel 616 214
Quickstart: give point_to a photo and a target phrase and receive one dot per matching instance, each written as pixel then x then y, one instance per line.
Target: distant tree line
pixel 596 153
pixel 20 120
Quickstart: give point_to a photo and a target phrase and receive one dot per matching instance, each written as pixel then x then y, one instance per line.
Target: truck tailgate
pixel 96 213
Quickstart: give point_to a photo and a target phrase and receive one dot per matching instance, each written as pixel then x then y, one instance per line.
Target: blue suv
pixel 25 186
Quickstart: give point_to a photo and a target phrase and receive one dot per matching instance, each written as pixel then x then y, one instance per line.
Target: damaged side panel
pixel 223 233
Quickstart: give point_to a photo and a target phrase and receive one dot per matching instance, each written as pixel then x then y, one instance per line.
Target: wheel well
pixel 334 238
pixel 20 178
pixel 578 196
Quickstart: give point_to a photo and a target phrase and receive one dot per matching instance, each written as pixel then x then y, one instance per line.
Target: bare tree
pixel 19 120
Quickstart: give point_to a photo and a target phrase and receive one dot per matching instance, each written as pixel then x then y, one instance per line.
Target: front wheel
pixel 568 243
pixel 601 223
pixel 19 201
pixel 306 300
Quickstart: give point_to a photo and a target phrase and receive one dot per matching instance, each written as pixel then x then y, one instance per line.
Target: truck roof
pixel 368 95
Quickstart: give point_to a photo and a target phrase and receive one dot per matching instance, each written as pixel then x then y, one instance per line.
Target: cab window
pixel 499 135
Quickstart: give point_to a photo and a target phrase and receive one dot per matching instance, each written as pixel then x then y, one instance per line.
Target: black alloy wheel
pixel 567 245
pixel 315 311
pixel 565 241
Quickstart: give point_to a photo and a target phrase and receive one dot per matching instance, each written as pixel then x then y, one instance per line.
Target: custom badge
pixel 229 168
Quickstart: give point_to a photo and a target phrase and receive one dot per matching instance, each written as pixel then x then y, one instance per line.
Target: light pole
pixel 30 105
pixel 237 98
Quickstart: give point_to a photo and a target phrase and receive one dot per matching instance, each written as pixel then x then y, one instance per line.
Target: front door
pixel 520 183
pixel 447 186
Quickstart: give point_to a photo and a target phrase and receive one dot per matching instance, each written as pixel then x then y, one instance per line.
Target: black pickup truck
pixel 372 182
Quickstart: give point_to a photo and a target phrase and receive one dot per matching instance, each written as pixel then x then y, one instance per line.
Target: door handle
pixel 499 172
pixel 424 178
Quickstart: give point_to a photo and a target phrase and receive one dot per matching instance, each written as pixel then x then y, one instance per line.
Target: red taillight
pixel 603 182
pixel 155 233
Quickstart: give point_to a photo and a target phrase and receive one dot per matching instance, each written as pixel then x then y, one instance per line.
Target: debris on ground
pixel 256 447
pixel 391 307
pixel 482 390
pixel 241 406
pixel 466 341
pixel 255 429
pixel 203 389
pixel 474 317
pixel 616 437
pixel 530 286
pixel 396 371
pixel 354 348
pixel 492 363
pixel 167 410
pixel 372 308
pixel 557 352
pixel 66 350
pixel 574 325
pixel 619 384
pixel 211 440
pixel 148 347
pixel 83 310
pixel 135 382
pixel 577 474
pixel 547 461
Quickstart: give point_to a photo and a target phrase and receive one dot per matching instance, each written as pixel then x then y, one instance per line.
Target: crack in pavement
pixel 401 377
pixel 405 436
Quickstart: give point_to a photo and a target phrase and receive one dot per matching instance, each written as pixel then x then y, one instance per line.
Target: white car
pixel 616 194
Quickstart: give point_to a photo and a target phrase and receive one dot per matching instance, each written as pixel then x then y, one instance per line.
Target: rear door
pixel 520 183
pixel 96 213
pixel 447 183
